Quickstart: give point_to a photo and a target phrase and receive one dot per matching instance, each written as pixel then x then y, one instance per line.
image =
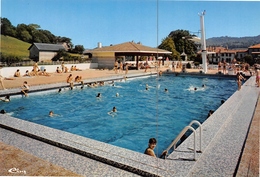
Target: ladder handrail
pixel 189 127
pixel 200 129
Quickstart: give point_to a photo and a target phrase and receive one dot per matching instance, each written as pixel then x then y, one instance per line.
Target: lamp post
pixel 183 49
pixel 203 42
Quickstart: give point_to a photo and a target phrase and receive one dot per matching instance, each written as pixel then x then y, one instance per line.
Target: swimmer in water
pixel 117 94
pixel 113 112
pixel 195 88
pixel 98 95
pixel 114 109
pixel 51 113
pixel 146 86
pixel 166 90
pixel 6 99
pixel 2 111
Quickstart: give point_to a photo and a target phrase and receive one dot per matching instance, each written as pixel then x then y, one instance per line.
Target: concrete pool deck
pixel 220 156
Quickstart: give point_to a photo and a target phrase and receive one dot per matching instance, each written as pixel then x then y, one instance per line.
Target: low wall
pixel 9 71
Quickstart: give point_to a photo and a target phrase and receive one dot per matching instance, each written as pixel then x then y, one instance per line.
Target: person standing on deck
pixel 121 67
pixel 2 80
pixel 224 67
pixel 35 68
pixel 219 66
pixel 70 81
pixel 116 67
pixel 239 80
pixel 62 67
pixel 257 75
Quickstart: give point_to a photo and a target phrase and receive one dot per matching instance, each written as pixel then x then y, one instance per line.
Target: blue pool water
pixel 141 114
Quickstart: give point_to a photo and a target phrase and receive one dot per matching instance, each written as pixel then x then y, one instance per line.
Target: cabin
pixel 45 52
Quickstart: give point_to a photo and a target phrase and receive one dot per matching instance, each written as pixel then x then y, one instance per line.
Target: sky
pixel 87 22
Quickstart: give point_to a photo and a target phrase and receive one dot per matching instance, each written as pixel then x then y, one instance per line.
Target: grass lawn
pixel 14 47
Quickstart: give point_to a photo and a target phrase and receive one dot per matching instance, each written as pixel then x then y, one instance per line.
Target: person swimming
pixel 2 111
pixel 114 109
pixel 98 95
pixel 113 112
pixel 51 113
pixel 117 94
pixel 146 87
pixel 6 99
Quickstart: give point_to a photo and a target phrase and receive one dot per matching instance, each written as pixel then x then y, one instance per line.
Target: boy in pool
pixel 25 88
pixel 150 150
pixel 51 113
pixel 114 109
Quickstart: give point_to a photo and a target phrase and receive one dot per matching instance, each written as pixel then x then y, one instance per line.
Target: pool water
pixel 141 114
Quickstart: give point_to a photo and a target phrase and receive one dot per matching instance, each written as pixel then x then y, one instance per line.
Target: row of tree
pixel 33 33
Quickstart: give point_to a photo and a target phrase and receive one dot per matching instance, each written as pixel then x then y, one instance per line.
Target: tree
pixel 22 33
pixel 61 53
pixel 78 49
pixel 7 28
pixel 40 37
pixel 25 36
pixel 182 42
pixel 49 35
pixel 63 39
pixel 198 59
pixel 168 44
pixel 33 29
pixel 248 59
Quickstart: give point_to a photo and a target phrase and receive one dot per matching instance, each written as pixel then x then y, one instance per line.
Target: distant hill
pixel 233 42
pixel 14 47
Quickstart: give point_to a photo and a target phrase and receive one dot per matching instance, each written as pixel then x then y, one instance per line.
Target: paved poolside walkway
pixel 249 165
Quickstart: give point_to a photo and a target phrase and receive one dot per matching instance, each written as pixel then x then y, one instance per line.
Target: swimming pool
pixel 141 114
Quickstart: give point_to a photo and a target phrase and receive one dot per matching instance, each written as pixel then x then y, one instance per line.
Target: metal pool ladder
pixel 189 127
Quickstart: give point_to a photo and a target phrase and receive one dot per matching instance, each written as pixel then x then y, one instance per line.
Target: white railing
pixel 189 127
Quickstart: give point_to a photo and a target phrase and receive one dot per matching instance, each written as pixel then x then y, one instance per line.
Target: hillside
pixel 14 47
pixel 233 42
